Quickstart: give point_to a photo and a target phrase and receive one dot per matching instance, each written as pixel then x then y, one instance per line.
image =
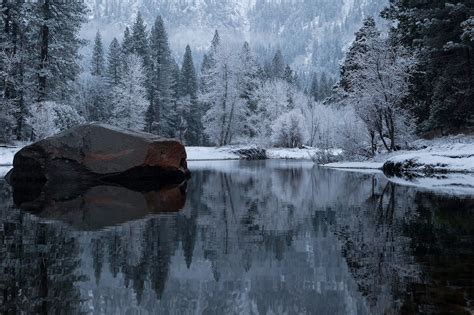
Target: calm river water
pixel 272 237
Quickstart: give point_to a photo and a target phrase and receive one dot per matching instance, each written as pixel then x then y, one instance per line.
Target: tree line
pixel 413 80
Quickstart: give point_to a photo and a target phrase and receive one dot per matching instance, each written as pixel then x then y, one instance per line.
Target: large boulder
pixel 101 152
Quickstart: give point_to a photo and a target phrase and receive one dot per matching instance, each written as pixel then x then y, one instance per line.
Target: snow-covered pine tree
pixel 365 34
pixel 98 106
pixel 188 96
pixel 55 57
pixel 129 96
pixel 248 82
pixel 98 57
pixel 442 91
pixel 278 66
pixel 139 40
pixel 314 88
pixel 162 112
pixel 127 43
pixel 114 60
pixel 12 39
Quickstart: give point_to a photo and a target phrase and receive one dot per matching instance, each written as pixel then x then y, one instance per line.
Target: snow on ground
pixel 7 154
pixel 292 154
pixel 227 153
pixel 210 154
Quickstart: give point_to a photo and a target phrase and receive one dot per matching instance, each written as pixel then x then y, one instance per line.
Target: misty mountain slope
pixel 311 33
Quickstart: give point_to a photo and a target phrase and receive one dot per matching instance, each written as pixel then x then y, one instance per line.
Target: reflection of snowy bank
pixel 453 184
pixel 368 165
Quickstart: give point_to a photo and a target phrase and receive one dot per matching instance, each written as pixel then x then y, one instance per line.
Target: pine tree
pixel 278 66
pixel 161 83
pixel 114 60
pixel 289 76
pixel 12 70
pixel 139 40
pixel 216 41
pixel 189 89
pixel 55 63
pixel 366 33
pixel 314 89
pixel 38 56
pixel 324 87
pixel 127 44
pixel 98 59
pixel 442 86
pixel 248 82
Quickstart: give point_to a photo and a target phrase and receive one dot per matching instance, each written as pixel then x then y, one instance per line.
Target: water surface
pixel 271 237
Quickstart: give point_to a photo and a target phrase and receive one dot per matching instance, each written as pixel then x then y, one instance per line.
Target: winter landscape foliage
pixel 393 85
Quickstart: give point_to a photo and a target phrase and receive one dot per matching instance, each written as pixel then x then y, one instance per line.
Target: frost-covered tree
pixel 225 117
pixel 290 130
pixel 48 118
pixel 66 116
pixel 129 101
pixel 98 57
pixel 39 47
pixel 376 79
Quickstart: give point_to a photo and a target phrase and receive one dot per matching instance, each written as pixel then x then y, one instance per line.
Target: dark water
pixel 251 238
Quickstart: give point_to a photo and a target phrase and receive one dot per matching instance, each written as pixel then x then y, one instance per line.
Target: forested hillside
pixel 311 34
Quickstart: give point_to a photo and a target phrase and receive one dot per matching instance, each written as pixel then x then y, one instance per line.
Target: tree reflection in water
pixel 253 237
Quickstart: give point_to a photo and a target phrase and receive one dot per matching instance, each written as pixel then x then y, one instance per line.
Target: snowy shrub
pixel 66 116
pixel 49 118
pixel 289 130
pixel 43 120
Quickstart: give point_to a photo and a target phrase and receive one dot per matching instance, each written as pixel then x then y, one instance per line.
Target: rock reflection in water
pixel 94 206
pixel 257 237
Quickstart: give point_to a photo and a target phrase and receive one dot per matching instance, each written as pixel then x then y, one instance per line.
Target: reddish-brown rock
pixel 101 151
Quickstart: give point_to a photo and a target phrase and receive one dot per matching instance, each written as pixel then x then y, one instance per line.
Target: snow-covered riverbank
pixel 231 153
pixel 444 165
pixel 445 155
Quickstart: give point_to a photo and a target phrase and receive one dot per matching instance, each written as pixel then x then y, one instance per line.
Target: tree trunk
pixel 44 52
pixel 224 105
